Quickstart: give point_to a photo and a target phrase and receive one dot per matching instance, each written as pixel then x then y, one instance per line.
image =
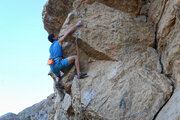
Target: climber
pixel 56 61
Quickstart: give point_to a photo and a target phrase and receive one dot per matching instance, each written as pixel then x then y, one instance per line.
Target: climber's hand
pixel 79 23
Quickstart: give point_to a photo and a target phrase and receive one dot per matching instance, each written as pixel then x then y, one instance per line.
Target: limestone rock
pixel 170 48
pixel 9 116
pixel 168 39
pixel 131 6
pixel 177 9
pixel 109 33
pixel 131 87
pixel 39 111
pixel 156 10
pixel 54 14
pixel 125 75
pixel 121 91
pixel 167 21
pixel 171 111
pixel 43 110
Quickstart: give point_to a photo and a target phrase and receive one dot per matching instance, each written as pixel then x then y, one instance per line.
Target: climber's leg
pixel 76 61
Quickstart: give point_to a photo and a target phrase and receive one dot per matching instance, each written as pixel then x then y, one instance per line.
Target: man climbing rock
pixel 56 61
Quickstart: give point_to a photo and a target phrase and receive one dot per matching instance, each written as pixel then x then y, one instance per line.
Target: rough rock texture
pixel 9 116
pixel 38 111
pixel 134 6
pixel 168 36
pixel 130 50
pixel 43 110
pixel 156 10
pixel 107 39
pixel 54 14
pixel 172 110
pixel 168 27
pixel 168 40
pixel 125 80
pixel 122 91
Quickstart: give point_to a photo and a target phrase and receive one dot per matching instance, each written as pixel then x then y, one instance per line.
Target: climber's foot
pixel 82 75
pixel 58 85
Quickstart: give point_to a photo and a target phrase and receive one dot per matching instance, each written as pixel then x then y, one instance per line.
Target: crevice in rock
pixel 173 88
pixel 160 62
pixel 155 43
pixel 155 46
pixel 70 111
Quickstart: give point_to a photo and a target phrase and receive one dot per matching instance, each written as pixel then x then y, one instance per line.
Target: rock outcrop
pixel 130 50
pixel 106 39
pixel 171 110
pixel 54 14
pixel 125 74
pixel 9 116
pixel 132 6
pixel 40 111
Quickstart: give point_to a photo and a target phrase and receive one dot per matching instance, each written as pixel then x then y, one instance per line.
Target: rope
pixel 76 38
pixel 77 77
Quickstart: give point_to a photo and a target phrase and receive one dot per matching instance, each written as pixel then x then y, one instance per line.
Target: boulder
pixel 54 13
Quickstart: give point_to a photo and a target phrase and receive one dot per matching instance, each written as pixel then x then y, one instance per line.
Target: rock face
pixel 168 27
pixel 168 37
pixel 130 50
pixel 54 14
pixel 134 6
pixel 40 111
pixel 122 91
pixel 107 39
pixel 125 80
pixel 172 110
pixel 9 116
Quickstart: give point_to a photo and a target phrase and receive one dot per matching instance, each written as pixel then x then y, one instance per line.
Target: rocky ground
pixel 130 50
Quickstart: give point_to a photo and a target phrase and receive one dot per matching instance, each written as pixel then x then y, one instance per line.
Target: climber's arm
pixel 70 32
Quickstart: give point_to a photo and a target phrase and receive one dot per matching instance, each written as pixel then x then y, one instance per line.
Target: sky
pixel 24 51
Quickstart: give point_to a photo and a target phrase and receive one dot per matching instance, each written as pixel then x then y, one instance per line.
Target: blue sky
pixel 23 55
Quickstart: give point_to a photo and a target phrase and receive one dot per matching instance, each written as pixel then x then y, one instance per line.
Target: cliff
pixel 130 50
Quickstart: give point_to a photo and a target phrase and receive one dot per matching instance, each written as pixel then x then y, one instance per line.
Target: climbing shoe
pixel 82 75
pixel 59 86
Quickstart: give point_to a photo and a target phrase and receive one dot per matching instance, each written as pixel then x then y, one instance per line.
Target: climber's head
pixel 52 38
